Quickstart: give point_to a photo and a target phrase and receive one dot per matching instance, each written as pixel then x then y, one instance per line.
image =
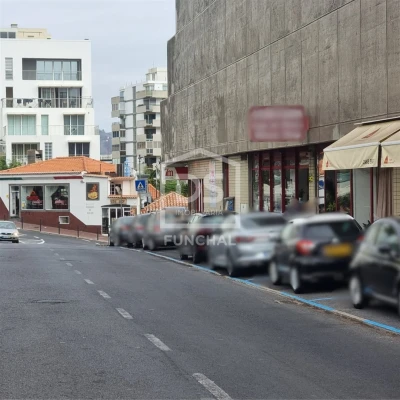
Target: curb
pixel 293 298
pixel 63 235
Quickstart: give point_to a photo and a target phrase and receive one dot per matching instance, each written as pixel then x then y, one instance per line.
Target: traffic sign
pixel 141 185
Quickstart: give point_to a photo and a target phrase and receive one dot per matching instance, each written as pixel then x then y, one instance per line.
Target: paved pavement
pixel 80 320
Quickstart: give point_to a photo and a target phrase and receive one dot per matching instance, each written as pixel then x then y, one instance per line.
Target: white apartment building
pixel 138 133
pixel 46 96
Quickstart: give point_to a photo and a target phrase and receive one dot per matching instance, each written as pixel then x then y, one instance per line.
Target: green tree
pixel 4 165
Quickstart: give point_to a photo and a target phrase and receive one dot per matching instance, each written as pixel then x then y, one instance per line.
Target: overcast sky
pixel 128 37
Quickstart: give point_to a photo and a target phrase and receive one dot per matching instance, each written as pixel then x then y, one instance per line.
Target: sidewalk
pixel 63 232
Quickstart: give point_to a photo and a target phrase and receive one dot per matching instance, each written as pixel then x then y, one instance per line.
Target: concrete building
pixel 14 32
pixel 46 96
pixel 138 133
pixel 339 59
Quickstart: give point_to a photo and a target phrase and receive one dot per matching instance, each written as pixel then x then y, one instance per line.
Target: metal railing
pixel 76 102
pixel 32 75
pixel 54 130
pixel 20 159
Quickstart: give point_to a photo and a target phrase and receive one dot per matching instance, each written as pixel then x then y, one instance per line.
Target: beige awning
pixel 391 150
pixel 360 147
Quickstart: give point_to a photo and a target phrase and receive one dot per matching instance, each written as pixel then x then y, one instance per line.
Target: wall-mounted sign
pixel 92 191
pixel 277 124
pixel 178 173
pixel 117 201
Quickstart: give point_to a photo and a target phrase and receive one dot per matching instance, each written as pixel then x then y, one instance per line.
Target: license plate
pixel 338 250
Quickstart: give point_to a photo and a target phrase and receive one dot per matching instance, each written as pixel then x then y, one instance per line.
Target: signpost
pixel 141 185
pixel 278 124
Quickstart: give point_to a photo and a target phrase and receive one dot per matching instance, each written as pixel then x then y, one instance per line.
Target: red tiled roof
pixel 63 165
pixel 154 193
pixel 171 199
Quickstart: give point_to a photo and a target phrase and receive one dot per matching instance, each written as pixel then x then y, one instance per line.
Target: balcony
pixel 158 94
pixel 148 108
pixel 155 123
pixel 78 102
pixel 32 75
pixel 54 130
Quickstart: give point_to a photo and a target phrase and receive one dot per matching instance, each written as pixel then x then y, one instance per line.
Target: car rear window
pixel 260 222
pixel 212 219
pixel 331 230
pixel 7 225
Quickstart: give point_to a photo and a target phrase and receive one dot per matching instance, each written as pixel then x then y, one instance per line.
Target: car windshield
pixel 329 230
pixel 7 225
pixel 211 219
pixel 261 222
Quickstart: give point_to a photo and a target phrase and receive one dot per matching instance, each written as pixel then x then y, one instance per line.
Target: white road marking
pixel 62 259
pixel 214 389
pixel 69 264
pixel 56 254
pixel 89 282
pixel 124 313
pixel 36 237
pixel 104 294
pixel 78 272
pixel 86 240
pixel 157 342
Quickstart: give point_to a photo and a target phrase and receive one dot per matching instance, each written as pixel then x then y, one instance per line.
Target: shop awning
pixel 391 150
pixel 360 147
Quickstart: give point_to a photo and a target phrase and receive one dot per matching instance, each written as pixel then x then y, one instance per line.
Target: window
pixel 122 133
pixel 57 197
pixel 121 96
pixel 115 134
pixel 79 149
pixel 63 220
pixel 123 146
pixel 141 145
pixel 32 197
pixel 74 124
pixel 332 230
pixel 115 188
pixel 45 125
pixel 149 151
pixel 115 147
pixel 21 125
pixel 48 151
pixel 57 70
pixel 12 35
pixel 60 98
pixel 387 236
pixel 3 35
pixel 19 151
pixel 150 133
pixel 165 87
pixel 9 69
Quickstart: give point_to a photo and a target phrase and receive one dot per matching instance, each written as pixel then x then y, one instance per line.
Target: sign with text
pixel 277 124
pixel 177 173
pixel 118 201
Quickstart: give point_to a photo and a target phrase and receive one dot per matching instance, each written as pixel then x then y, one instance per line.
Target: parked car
pixel 162 229
pixel 375 269
pixel 138 228
pixel 244 241
pixel 9 232
pixel 316 248
pixel 121 231
pixel 194 236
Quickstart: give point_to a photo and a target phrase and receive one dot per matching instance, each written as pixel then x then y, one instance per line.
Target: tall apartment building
pixel 137 136
pixel 46 96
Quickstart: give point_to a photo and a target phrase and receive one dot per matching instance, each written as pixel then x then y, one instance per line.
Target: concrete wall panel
pixel 264 79
pixel 278 70
pixel 393 55
pixel 277 20
pixel 293 68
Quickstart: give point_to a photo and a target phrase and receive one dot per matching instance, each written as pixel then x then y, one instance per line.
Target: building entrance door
pixel 14 201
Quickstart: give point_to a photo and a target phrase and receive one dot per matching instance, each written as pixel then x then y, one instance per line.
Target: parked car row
pixel 297 251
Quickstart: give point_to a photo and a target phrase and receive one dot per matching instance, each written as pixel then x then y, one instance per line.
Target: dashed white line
pixel 36 237
pixel 78 272
pixel 69 264
pixel 104 294
pixel 89 282
pixel 214 389
pixel 157 342
pixel 124 313
pixel 62 259
pixel 56 254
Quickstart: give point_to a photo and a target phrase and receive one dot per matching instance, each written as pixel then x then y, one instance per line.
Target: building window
pixel 150 133
pixel 19 151
pixel 115 134
pixel 48 151
pixel 32 197
pixel 79 149
pixel 165 87
pixel 12 35
pixel 45 124
pixel 58 70
pixel 122 133
pixel 61 98
pixel 57 197
pixel 123 146
pixel 74 124
pixel 141 145
pixel 9 69
pixel 21 125
pixel 121 96
pixel 115 188
pixel 115 147
pixel 149 151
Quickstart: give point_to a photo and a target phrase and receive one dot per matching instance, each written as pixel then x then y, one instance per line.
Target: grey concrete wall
pixel 339 58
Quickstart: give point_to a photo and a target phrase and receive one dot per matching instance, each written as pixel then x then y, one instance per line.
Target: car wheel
pixel 138 244
pixel 130 245
pixel 357 292
pixel 196 257
pixel 144 245
pixel 295 280
pixel 231 268
pixel 15 241
pixel 111 243
pixel 151 245
pixel 274 273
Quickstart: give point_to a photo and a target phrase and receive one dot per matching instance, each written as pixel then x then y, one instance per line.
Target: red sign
pixel 278 124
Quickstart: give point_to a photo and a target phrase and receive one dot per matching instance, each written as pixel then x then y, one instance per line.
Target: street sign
pixel 278 124
pixel 141 185
pixel 127 169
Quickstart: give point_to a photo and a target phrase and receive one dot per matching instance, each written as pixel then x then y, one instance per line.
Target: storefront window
pixel 266 190
pixel 32 197
pixel 330 191
pixel 362 195
pixel 57 197
pixel 277 176
pixel 290 178
pixel 303 176
pixel 343 187
pixel 256 189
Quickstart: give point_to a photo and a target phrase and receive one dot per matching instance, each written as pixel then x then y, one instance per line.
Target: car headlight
pixel 16 233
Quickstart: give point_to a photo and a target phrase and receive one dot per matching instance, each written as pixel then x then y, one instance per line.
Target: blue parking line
pixel 310 302
pixel 323 298
pixel 384 326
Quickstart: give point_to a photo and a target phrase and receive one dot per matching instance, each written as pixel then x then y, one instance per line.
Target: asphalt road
pixel 84 321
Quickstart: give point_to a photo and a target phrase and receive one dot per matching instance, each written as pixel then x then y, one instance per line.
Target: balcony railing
pixel 19 159
pixel 31 75
pixel 155 123
pixel 53 130
pixel 77 102
pixel 159 94
pixel 147 108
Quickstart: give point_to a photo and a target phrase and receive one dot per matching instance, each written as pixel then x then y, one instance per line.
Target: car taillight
pixel 204 232
pixel 244 239
pixel 157 229
pixel 360 238
pixel 139 228
pixel 305 247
